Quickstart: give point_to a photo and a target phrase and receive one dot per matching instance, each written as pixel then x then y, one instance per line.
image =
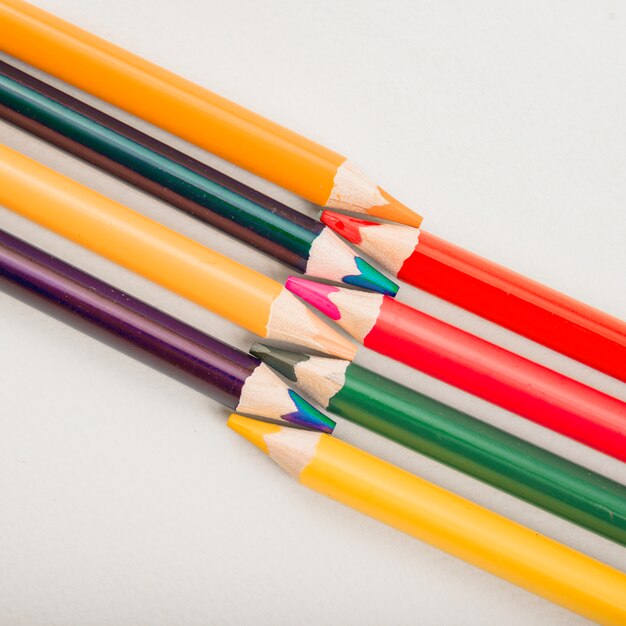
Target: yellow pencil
pixel 234 291
pixel 444 520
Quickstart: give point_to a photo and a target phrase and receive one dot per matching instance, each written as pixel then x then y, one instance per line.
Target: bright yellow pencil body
pixel 232 290
pixel 444 520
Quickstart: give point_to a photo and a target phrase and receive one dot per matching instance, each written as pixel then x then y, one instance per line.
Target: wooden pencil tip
pixel 346 226
pixel 315 294
pixel 354 310
pixel 390 245
pixel 395 211
pixel 283 361
pixel 253 430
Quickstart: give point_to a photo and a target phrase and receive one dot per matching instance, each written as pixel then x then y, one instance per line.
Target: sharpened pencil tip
pixel 253 430
pixel 315 294
pixel 307 416
pixel 283 361
pixel 395 211
pixel 346 226
pixel 371 279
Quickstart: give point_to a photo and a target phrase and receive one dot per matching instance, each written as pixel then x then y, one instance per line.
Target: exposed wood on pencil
pixel 473 364
pixel 228 375
pixel 451 523
pixel 181 107
pixel 172 260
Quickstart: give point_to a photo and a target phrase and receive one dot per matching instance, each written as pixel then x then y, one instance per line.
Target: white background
pixel 126 500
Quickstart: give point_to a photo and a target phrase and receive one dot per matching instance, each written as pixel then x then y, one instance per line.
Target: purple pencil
pixel 238 380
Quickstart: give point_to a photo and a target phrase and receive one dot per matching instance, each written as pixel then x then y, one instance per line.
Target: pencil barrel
pixel 145 246
pixel 483 451
pixel 467 531
pixel 518 303
pixel 197 359
pixel 501 377
pixel 166 100
pixel 126 152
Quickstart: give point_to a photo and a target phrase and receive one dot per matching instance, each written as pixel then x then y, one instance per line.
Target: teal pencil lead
pixel 371 279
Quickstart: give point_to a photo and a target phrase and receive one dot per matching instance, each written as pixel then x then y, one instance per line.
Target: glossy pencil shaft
pixel 157 168
pixel 195 114
pixel 165 99
pixel 491 291
pixel 136 241
pixel 451 523
pixel 518 303
pixel 202 361
pixel 502 377
pixel 480 450
pixel 473 364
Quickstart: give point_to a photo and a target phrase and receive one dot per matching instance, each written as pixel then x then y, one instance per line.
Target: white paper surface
pixel 126 500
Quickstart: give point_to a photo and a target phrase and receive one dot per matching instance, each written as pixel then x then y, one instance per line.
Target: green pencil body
pixel 480 450
pixel 458 440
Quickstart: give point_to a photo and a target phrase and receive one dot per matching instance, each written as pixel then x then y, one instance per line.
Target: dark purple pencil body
pixel 197 359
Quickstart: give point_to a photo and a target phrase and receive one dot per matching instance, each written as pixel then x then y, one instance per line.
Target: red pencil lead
pixel 490 290
pixel 388 244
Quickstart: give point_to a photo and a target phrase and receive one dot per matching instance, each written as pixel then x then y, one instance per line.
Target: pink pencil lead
pixel 316 294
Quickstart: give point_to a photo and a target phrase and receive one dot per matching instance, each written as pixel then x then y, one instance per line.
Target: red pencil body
pixel 501 377
pixel 518 303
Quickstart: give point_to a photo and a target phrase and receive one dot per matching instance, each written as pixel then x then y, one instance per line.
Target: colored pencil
pixel 473 364
pixel 304 167
pixel 456 439
pixel 222 372
pixel 491 291
pixel 238 293
pixel 214 198
pixel 438 517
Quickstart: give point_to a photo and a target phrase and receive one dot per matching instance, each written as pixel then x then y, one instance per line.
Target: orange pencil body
pixel 193 113
pixel 137 242
pixel 164 99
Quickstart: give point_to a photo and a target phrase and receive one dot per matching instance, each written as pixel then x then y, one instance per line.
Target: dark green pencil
pixel 211 196
pixel 458 440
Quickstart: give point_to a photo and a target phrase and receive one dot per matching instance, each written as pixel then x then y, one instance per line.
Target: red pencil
pixel 491 291
pixel 473 364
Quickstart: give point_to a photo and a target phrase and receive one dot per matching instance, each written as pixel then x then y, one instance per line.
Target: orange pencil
pixel 193 113
pixel 236 292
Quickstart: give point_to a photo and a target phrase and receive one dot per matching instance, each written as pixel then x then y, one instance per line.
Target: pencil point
pixel 330 258
pixel 307 416
pixel 283 361
pixel 346 226
pixel 266 395
pixel 390 245
pixel 319 377
pixel 315 294
pixel 371 279
pixel 354 310
pixel 253 430
pixel 352 191
pixel 395 211
pixel 292 322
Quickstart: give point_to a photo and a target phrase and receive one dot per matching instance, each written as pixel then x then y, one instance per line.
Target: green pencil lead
pixel 283 361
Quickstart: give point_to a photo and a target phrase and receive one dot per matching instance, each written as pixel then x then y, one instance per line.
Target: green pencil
pixel 458 440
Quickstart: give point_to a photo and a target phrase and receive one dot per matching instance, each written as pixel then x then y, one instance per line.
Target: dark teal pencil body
pixel 209 195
